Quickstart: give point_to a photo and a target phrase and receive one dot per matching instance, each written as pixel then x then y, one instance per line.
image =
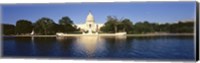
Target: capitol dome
pixel 90 27
pixel 90 18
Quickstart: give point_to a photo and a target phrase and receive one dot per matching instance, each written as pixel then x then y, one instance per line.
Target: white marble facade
pixel 90 26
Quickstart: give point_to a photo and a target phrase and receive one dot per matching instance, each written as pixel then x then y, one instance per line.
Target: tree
pixel 67 24
pixel 111 25
pixel 182 27
pixel 23 27
pixel 127 25
pixel 65 20
pixel 164 27
pixel 143 27
pixel 59 28
pixel 8 29
pixel 114 25
pixel 45 26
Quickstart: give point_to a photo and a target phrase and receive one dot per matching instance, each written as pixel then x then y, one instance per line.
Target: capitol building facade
pixel 89 27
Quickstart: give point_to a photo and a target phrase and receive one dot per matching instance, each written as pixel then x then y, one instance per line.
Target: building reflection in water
pixel 92 46
pixel 88 44
pixel 99 47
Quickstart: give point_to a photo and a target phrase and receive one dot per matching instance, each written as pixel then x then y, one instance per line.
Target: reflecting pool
pixel 101 47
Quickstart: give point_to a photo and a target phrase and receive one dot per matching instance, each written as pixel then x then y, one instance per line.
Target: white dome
pixel 90 18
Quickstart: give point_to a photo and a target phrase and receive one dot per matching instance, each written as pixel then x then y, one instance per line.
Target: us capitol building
pixel 89 27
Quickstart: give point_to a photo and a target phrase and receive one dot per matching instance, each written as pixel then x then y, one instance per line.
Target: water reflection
pixel 23 46
pixel 87 44
pixel 115 46
pixel 129 47
pixel 94 46
pixel 45 45
pixel 66 44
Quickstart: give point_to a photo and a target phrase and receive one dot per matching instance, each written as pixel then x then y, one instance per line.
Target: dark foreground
pixel 111 47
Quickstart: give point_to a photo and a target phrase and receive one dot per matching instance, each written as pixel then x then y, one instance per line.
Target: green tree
pixel 114 25
pixel 8 29
pixel 67 24
pixel 182 27
pixel 23 27
pixel 59 28
pixel 143 27
pixel 156 27
pixel 45 26
pixel 111 25
pixel 127 25
pixel 164 27
pixel 65 20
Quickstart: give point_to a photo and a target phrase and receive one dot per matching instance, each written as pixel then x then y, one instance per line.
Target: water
pixel 112 47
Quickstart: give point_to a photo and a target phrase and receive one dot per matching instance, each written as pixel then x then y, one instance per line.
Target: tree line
pixel 114 25
pixel 46 26
pixel 43 26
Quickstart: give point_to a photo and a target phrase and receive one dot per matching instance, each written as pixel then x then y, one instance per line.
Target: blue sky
pixel 160 12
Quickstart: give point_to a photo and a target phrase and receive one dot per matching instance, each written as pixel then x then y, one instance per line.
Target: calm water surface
pixel 112 47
